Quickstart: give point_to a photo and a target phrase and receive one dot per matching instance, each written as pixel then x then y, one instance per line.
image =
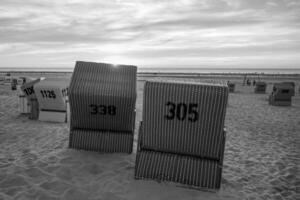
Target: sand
pixel 262 156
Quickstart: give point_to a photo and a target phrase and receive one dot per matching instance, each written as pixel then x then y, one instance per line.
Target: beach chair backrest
pixel 184 118
pixel 282 91
pixel 291 84
pixel 28 89
pixel 102 96
pixel 51 94
pixel 260 86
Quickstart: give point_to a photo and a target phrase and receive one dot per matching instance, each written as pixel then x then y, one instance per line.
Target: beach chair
pixel 231 87
pixel 102 105
pixel 14 83
pixel 182 136
pixel 51 94
pixel 281 95
pixel 28 90
pixel 291 84
pixel 7 80
pixel 24 106
pixel 260 87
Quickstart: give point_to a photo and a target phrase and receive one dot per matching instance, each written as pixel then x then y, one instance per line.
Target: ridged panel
pixel 177 168
pixel 101 141
pixel 103 84
pixel 202 137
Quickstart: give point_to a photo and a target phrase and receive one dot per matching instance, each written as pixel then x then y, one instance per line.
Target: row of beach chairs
pixel 181 137
pixel 281 94
pixel 45 99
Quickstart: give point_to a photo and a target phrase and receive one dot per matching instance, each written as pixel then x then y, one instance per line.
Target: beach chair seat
pixel 281 95
pixel 28 90
pixel 260 87
pixel 52 96
pixel 102 104
pixel 182 137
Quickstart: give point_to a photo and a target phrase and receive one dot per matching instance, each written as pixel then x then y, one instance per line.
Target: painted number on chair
pixel 103 109
pixel 182 111
pixel 29 91
pixel 48 94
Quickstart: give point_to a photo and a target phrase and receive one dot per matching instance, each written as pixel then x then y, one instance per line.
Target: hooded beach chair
pixel 102 103
pixel 182 136
pixel 51 94
pixel 231 87
pixel 28 90
pixel 260 87
pixel 282 94
pixel 291 84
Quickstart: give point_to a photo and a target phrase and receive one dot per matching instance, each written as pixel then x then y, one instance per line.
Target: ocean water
pixel 167 70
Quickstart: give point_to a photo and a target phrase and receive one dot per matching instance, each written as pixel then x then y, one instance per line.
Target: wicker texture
pixel 102 105
pixel 106 141
pixel 177 168
pixel 184 151
pixel 202 137
pixel 103 84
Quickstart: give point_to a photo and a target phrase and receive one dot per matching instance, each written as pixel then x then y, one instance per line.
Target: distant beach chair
pixel 14 83
pixel 260 87
pixel 231 86
pixel 102 103
pixel 24 106
pixel 7 80
pixel 292 84
pixel 51 94
pixel 281 95
pixel 29 92
pixel 182 136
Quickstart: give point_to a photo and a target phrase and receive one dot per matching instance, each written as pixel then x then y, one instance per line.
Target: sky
pixel 151 33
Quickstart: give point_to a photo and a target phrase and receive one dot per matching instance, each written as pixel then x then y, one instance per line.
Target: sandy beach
pixel 262 153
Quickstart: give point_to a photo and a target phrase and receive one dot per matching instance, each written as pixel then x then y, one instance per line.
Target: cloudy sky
pixel 151 33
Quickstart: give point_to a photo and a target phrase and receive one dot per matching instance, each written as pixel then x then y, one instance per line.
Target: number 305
pixel 182 111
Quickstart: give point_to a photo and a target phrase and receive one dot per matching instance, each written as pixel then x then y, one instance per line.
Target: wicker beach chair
pixel 182 137
pixel 28 90
pixel 102 103
pixel 260 87
pixel 282 94
pixel 291 84
pixel 51 94
pixel 231 87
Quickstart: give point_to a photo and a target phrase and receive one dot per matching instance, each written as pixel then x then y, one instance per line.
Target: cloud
pixel 145 32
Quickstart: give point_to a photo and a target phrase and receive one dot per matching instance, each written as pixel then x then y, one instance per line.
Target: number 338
pixel 182 111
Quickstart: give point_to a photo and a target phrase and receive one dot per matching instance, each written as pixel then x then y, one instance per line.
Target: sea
pixel 183 70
